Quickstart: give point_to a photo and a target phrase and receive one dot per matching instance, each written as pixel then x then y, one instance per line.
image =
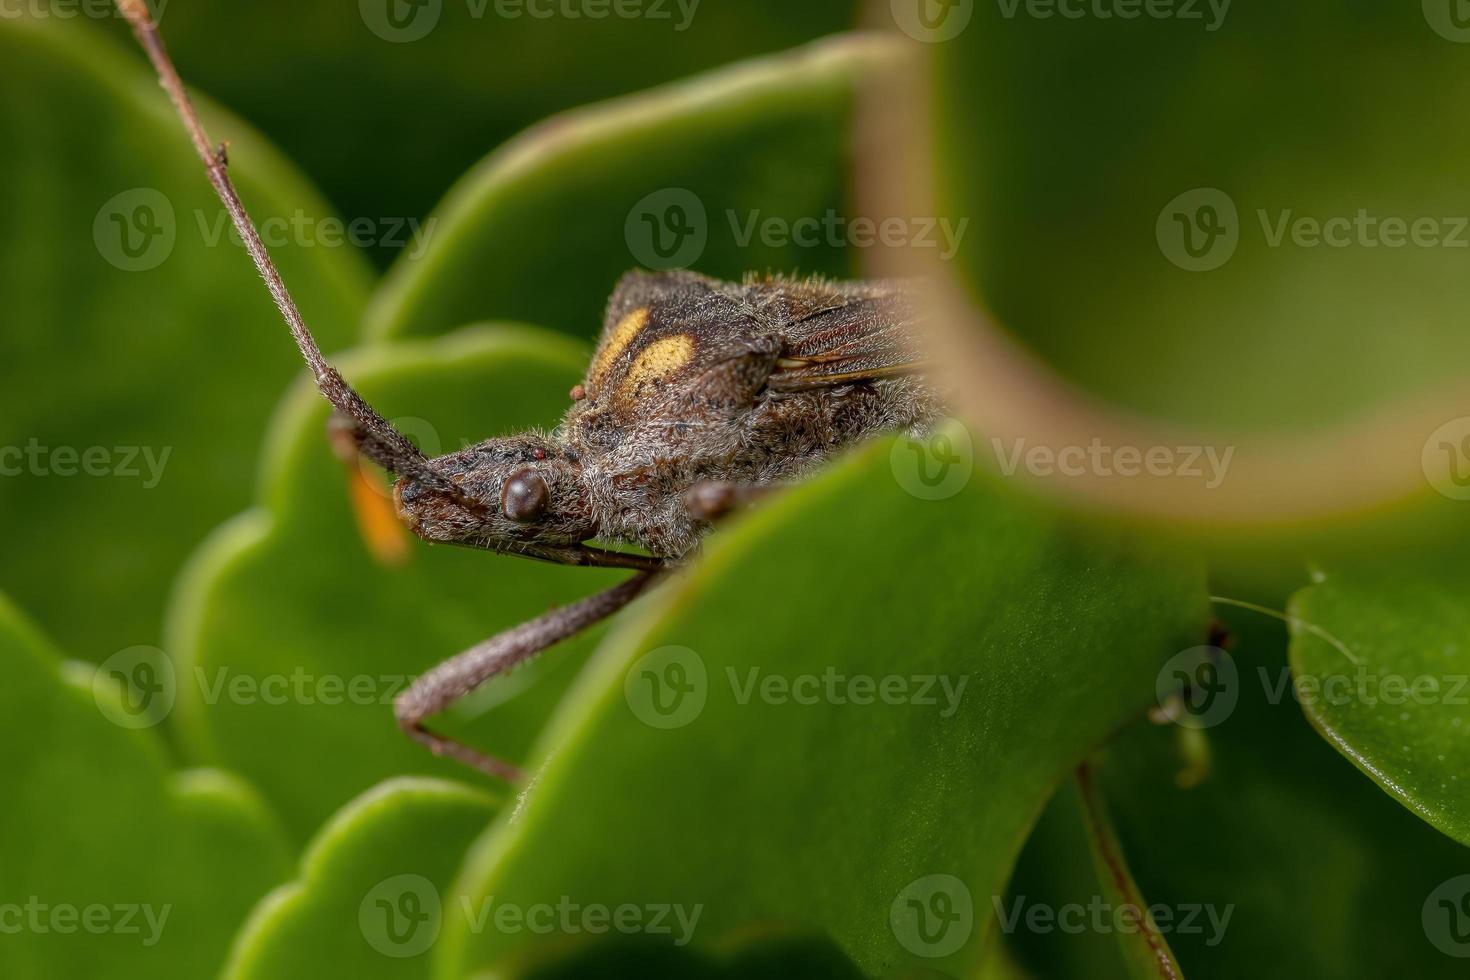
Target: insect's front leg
pixel 456 677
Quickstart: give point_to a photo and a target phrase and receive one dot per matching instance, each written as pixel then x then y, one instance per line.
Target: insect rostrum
pixel 701 395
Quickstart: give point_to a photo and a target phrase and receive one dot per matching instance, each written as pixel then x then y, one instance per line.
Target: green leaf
pixel 110 864
pixel 373 890
pixel 998 964
pixel 1140 933
pixel 1070 142
pixel 134 399
pixel 544 227
pixel 1054 871
pixel 331 89
pixel 1074 904
pixel 740 802
pixel 291 639
pixel 1318 872
pixel 1401 712
pixel 768 953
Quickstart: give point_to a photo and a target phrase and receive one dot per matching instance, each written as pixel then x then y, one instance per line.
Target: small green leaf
pixel 542 230
pixel 110 864
pixel 140 355
pixel 374 888
pixel 1055 874
pixel 1140 934
pixel 1284 860
pixel 771 953
pixel 846 714
pixel 291 640
pixel 1382 664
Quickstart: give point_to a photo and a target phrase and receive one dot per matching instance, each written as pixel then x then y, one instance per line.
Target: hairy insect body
pixel 694 382
pixel 653 426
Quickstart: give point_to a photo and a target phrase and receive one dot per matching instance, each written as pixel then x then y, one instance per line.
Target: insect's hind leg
pixel 456 677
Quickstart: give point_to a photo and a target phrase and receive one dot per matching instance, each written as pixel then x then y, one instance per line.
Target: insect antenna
pixel 373 435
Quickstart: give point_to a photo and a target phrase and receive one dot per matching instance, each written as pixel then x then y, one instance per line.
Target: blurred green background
pixel 1060 141
pixel 326 89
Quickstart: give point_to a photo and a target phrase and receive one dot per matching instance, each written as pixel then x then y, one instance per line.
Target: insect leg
pixel 712 499
pixel 456 677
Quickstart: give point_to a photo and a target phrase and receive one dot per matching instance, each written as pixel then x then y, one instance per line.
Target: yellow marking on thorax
pixel 617 341
pixel 661 359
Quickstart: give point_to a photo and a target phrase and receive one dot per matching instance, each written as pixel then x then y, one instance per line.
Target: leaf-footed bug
pixel 701 396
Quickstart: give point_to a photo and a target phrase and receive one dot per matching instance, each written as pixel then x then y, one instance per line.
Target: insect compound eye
pixel 524 496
